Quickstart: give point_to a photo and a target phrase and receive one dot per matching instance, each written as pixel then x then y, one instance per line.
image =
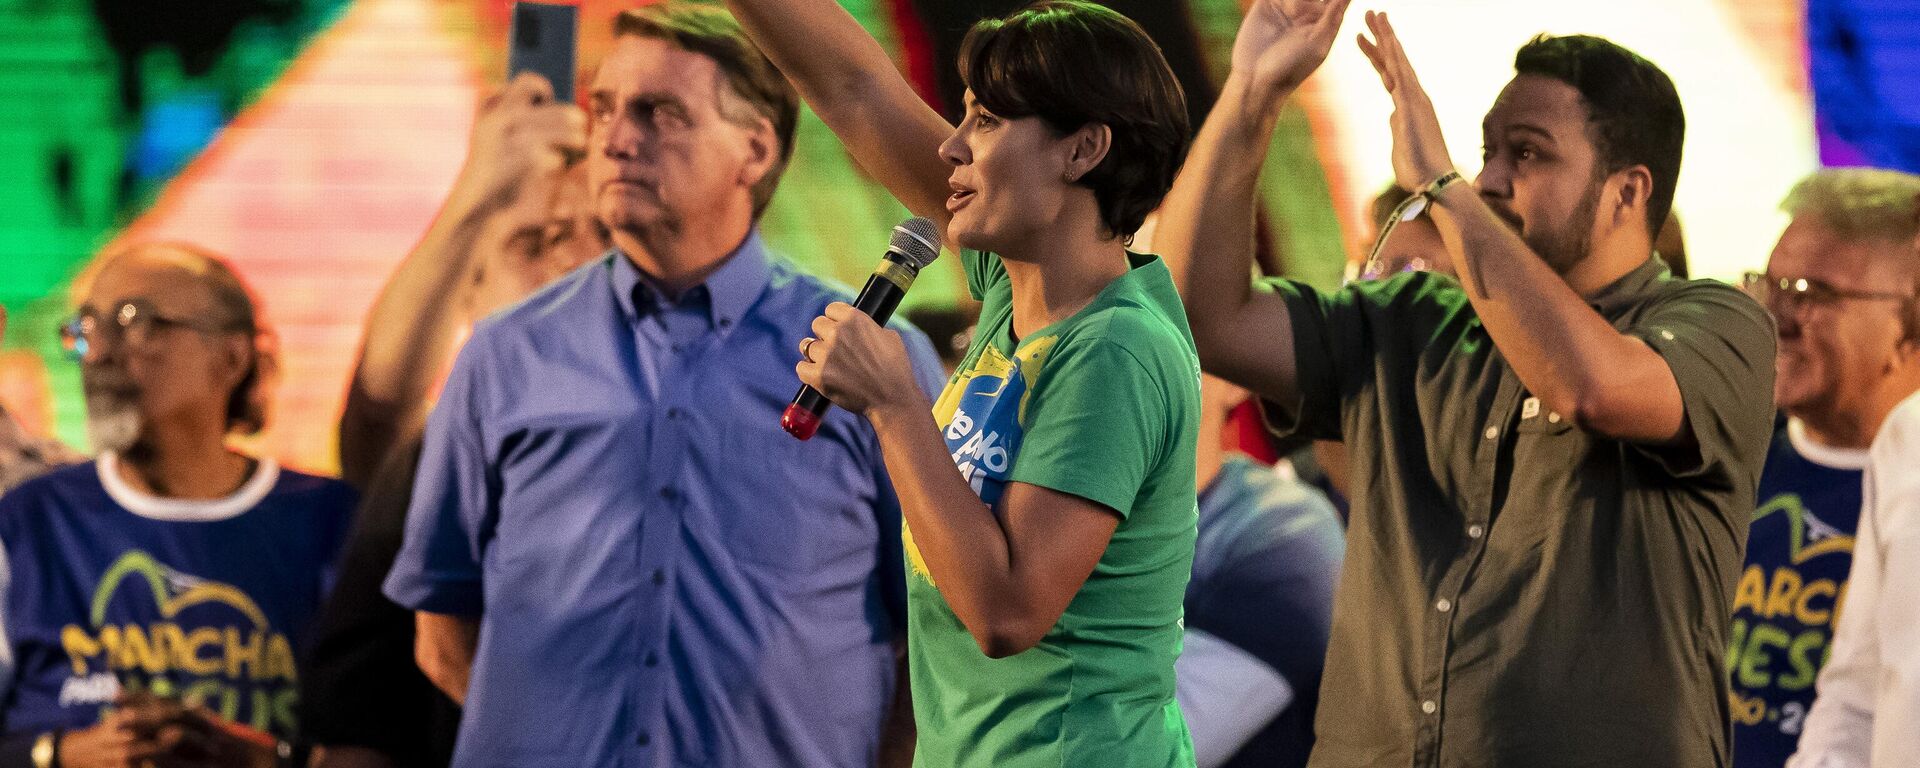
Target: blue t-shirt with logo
pixel 1794 583
pixel 108 589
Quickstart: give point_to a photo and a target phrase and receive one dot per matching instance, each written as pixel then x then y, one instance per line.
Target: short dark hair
pixel 712 32
pixel 1073 64
pixel 1633 112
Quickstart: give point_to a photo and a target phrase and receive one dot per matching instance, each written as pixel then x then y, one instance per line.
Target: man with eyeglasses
pixel 1865 275
pixel 24 456
pixel 151 601
pixel 1840 285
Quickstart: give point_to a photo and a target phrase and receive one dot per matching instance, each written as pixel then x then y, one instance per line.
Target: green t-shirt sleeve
pixel 983 271
pixel 1719 343
pixel 1096 424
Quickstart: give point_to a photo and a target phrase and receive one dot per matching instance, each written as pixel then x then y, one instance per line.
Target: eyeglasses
pixel 1798 292
pixel 134 323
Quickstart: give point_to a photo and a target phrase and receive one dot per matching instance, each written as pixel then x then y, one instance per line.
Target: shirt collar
pixel 1630 290
pixel 731 290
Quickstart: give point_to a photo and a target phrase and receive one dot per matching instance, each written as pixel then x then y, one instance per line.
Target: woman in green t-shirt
pixel 1049 493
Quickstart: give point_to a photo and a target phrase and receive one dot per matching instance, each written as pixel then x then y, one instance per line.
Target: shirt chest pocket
pixel 1537 420
pixel 790 506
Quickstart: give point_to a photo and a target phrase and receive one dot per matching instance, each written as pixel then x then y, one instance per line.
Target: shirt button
pixel 1492 432
pixel 1553 418
pixel 643 738
pixel 669 492
pixel 1444 605
pixel 1475 531
pixel 652 660
pixel 1426 706
pixel 659 577
pixel 673 413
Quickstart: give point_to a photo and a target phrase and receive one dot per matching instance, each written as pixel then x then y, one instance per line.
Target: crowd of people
pixel 1547 502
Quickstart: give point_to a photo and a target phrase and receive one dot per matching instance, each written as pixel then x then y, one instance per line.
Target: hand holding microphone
pixel 851 359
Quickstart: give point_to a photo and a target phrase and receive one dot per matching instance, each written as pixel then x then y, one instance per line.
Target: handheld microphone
pixel 914 245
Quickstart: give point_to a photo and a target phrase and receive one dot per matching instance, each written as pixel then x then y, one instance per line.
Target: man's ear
pixel 1632 189
pixel 237 356
pixel 763 153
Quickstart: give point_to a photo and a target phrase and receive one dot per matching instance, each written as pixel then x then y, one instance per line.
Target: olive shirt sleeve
pixel 1336 335
pixel 1719 343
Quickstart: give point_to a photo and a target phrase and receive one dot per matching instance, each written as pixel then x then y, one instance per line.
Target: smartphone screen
pixel 542 40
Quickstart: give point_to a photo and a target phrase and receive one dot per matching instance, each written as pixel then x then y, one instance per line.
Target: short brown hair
pixel 712 32
pixel 1074 64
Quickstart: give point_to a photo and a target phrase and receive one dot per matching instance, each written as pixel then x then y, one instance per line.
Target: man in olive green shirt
pixel 1553 456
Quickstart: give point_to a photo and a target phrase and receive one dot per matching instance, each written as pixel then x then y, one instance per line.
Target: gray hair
pixel 235 311
pixel 1860 203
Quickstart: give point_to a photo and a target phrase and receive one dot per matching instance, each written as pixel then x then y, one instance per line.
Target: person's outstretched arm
pixel 1626 386
pixel 1243 333
pixel 412 331
pixel 849 81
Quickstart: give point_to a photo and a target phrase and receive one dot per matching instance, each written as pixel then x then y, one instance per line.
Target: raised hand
pixel 1281 42
pixel 1419 151
pixel 521 133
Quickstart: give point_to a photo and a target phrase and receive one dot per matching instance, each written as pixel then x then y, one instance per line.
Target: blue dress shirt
pixel 663 577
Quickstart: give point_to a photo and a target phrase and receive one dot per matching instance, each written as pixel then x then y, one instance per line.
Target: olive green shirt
pixel 1519 593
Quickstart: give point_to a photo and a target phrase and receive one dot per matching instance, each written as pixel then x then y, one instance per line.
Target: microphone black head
pixel 917 239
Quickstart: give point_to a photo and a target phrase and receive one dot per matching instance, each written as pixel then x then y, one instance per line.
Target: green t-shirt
pixel 1104 405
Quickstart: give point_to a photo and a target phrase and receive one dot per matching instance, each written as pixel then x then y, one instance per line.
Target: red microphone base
pixel 800 422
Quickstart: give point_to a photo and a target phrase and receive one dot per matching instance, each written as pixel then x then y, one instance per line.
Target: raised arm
pixel 1611 383
pixel 1206 227
pixel 411 332
pixel 849 81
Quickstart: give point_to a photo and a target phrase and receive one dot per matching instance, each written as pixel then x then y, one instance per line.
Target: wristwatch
pixel 1408 209
pixel 1433 188
pixel 46 750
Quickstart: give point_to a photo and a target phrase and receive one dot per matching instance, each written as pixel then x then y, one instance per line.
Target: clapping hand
pixel 1419 151
pixel 1281 42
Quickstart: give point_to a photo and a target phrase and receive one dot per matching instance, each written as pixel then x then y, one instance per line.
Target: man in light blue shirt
pixel 1260 605
pixel 617 555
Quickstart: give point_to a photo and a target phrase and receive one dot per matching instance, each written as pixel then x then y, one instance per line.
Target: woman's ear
pixel 1086 147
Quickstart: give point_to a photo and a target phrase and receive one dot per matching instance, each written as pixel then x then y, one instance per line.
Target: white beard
pixel 112 426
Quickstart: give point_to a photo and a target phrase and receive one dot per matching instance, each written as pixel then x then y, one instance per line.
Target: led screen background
pixel 312 141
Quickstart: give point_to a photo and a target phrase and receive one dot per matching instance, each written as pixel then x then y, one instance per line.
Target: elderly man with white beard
pixel 151 600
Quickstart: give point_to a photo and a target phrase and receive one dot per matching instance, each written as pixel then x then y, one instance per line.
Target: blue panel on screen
pixel 1865 62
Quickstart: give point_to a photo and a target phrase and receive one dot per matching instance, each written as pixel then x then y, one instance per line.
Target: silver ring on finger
pixel 806 348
